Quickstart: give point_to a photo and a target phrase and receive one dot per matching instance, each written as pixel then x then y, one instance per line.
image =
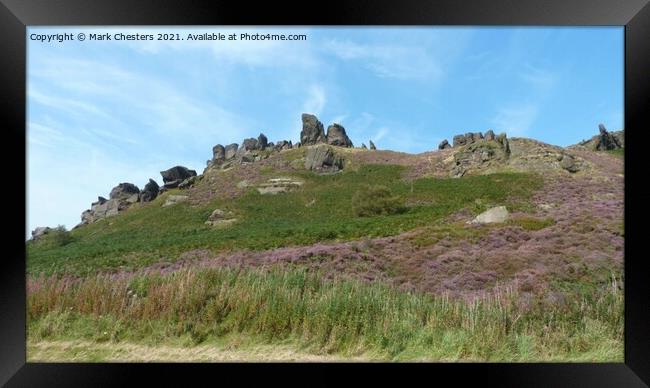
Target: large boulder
pixel 231 151
pixel 459 140
pixel 150 191
pixel 372 145
pixel 568 163
pixel 249 144
pixel 489 135
pixel 444 145
pixel 497 214
pixel 323 159
pixel 262 141
pixel 218 153
pixel 336 136
pixel 175 175
pixel 124 190
pixel 312 130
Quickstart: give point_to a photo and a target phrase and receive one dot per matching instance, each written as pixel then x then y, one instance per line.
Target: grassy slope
pixel 214 307
pixel 320 211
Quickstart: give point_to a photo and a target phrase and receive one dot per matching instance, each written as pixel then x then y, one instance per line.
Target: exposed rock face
pixel 469 138
pixel 175 175
pixel 489 135
pixel 323 159
pixel 480 154
pixel 282 145
pixel 605 140
pixel 372 145
pixel 124 191
pixel 150 191
pixel 336 136
pixel 189 182
pixel 494 215
pixel 40 232
pixel 249 144
pixel 444 145
pixel 262 141
pixel 231 151
pixel 218 153
pixel 312 130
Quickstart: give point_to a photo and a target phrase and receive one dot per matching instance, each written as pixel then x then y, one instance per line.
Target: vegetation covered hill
pixel 354 252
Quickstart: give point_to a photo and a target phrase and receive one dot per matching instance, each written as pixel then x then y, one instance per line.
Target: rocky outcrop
pixel 372 145
pixel 444 145
pixel 262 141
pixel 126 191
pixel 468 138
pixel 282 145
pixel 606 141
pixel 175 175
pixel 478 154
pixel 231 151
pixel 150 191
pixel 312 130
pixel 322 159
pixel 336 136
pixel 40 231
pixel 363 146
pixel 489 135
pixel 218 153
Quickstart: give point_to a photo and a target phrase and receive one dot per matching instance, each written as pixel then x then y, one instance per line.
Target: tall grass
pixel 343 317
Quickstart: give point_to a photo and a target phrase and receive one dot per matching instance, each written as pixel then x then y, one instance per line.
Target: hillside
pixel 423 226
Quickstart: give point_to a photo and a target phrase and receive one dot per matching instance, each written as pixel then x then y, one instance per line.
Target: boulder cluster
pixel 477 150
pixel 313 133
pixel 251 150
pixel 471 137
pixel 126 194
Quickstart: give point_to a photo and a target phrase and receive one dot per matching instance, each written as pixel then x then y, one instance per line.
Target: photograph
pixel 325 194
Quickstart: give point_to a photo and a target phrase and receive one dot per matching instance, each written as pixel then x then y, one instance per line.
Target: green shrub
pixel 60 236
pixel 376 200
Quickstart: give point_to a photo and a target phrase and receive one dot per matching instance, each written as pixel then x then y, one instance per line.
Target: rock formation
pixel 175 175
pixel 312 130
pixel 40 231
pixel 336 136
pixel 444 145
pixel 605 140
pixel 476 152
pixel 150 191
pixel 323 159
pixel 372 145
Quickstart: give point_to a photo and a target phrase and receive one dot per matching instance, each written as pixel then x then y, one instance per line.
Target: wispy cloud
pixel 388 61
pixel 316 100
pixel 516 120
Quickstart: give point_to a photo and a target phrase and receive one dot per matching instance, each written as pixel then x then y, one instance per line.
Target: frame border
pixel 16 15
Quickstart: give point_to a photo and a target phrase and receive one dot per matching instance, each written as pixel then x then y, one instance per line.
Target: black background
pixel 15 15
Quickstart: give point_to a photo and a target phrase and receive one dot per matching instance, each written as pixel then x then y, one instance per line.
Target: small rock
pixel 174 199
pixel 568 163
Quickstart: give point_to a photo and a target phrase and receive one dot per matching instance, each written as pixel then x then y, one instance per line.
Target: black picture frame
pixel 16 15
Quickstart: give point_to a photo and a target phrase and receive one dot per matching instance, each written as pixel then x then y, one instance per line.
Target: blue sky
pixel 101 113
